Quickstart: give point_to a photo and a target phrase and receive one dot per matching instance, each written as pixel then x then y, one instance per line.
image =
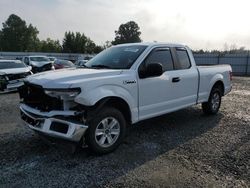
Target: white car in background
pixel 12 73
pixel 38 63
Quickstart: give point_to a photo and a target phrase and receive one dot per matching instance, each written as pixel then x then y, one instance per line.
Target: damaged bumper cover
pixel 50 123
pixel 11 86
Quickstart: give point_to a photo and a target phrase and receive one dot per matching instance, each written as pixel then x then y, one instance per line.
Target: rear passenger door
pixel 174 89
pixel 184 79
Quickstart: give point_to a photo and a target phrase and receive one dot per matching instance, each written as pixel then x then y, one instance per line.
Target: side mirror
pixel 153 69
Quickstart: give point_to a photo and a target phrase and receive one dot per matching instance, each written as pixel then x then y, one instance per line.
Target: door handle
pixel 176 79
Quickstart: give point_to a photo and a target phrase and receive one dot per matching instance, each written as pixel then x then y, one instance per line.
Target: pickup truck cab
pixel 122 85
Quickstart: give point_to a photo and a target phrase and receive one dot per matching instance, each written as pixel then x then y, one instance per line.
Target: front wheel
pixel 214 102
pixel 106 131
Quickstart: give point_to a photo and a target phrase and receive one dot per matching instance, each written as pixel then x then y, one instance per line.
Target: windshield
pixel 39 59
pixel 11 64
pixel 121 57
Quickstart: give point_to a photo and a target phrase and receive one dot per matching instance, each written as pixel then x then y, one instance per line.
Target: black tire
pixel 107 114
pixel 209 107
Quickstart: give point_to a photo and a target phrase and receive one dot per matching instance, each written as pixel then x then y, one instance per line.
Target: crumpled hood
pixel 39 64
pixel 15 70
pixel 64 78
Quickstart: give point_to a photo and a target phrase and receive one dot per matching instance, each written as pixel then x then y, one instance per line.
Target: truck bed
pixel 211 66
pixel 209 73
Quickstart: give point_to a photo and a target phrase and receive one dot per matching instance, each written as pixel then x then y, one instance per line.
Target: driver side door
pixel 156 92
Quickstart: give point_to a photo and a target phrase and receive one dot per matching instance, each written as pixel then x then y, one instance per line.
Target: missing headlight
pixel 64 94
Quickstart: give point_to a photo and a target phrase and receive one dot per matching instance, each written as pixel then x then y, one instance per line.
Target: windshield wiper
pixel 101 66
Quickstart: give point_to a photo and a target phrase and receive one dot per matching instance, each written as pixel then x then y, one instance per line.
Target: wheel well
pixel 117 103
pixel 219 84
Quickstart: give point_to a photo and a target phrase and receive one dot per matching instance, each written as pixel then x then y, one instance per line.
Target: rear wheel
pixel 106 131
pixel 214 102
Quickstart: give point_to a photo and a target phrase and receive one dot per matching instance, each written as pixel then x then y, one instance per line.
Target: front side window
pixel 183 58
pixel 162 56
pixel 118 57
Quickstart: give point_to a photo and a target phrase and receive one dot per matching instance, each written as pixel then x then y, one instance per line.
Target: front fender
pixel 90 98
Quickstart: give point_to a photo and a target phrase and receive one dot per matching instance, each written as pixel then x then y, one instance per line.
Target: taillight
pixel 231 75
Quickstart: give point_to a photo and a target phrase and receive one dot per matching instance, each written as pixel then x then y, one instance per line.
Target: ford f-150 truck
pixel 122 85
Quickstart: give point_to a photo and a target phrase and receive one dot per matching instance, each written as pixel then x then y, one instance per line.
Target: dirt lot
pixel 181 149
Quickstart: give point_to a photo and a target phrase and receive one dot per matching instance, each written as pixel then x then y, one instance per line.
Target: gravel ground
pixel 181 149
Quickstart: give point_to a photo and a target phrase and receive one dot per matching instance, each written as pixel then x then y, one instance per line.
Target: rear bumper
pixel 228 89
pixel 49 123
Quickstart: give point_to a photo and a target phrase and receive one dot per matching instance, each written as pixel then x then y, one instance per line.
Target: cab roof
pixel 152 44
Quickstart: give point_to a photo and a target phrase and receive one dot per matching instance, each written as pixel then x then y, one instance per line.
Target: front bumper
pixel 46 67
pixel 50 124
pixel 12 86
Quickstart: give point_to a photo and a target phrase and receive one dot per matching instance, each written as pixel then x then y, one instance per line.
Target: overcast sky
pixel 207 24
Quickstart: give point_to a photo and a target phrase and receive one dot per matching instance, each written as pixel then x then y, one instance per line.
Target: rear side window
pixel 183 58
pixel 163 56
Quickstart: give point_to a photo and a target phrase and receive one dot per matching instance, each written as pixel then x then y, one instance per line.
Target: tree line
pixel 18 36
pixel 227 49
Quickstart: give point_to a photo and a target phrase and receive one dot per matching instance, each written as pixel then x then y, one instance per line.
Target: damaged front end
pixel 10 82
pixel 52 112
pixel 3 83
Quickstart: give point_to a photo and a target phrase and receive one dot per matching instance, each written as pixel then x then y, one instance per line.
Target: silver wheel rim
pixel 107 132
pixel 215 101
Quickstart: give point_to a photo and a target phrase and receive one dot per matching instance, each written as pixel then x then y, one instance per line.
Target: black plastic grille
pixel 59 127
pixel 34 96
pixel 43 68
pixel 31 121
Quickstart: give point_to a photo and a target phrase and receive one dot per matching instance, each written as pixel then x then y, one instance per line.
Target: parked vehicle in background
pixel 52 59
pixel 122 85
pixel 87 58
pixel 38 63
pixel 81 61
pixel 19 58
pixel 12 73
pixel 61 64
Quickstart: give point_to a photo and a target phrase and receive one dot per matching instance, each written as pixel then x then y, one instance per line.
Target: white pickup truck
pixel 122 85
